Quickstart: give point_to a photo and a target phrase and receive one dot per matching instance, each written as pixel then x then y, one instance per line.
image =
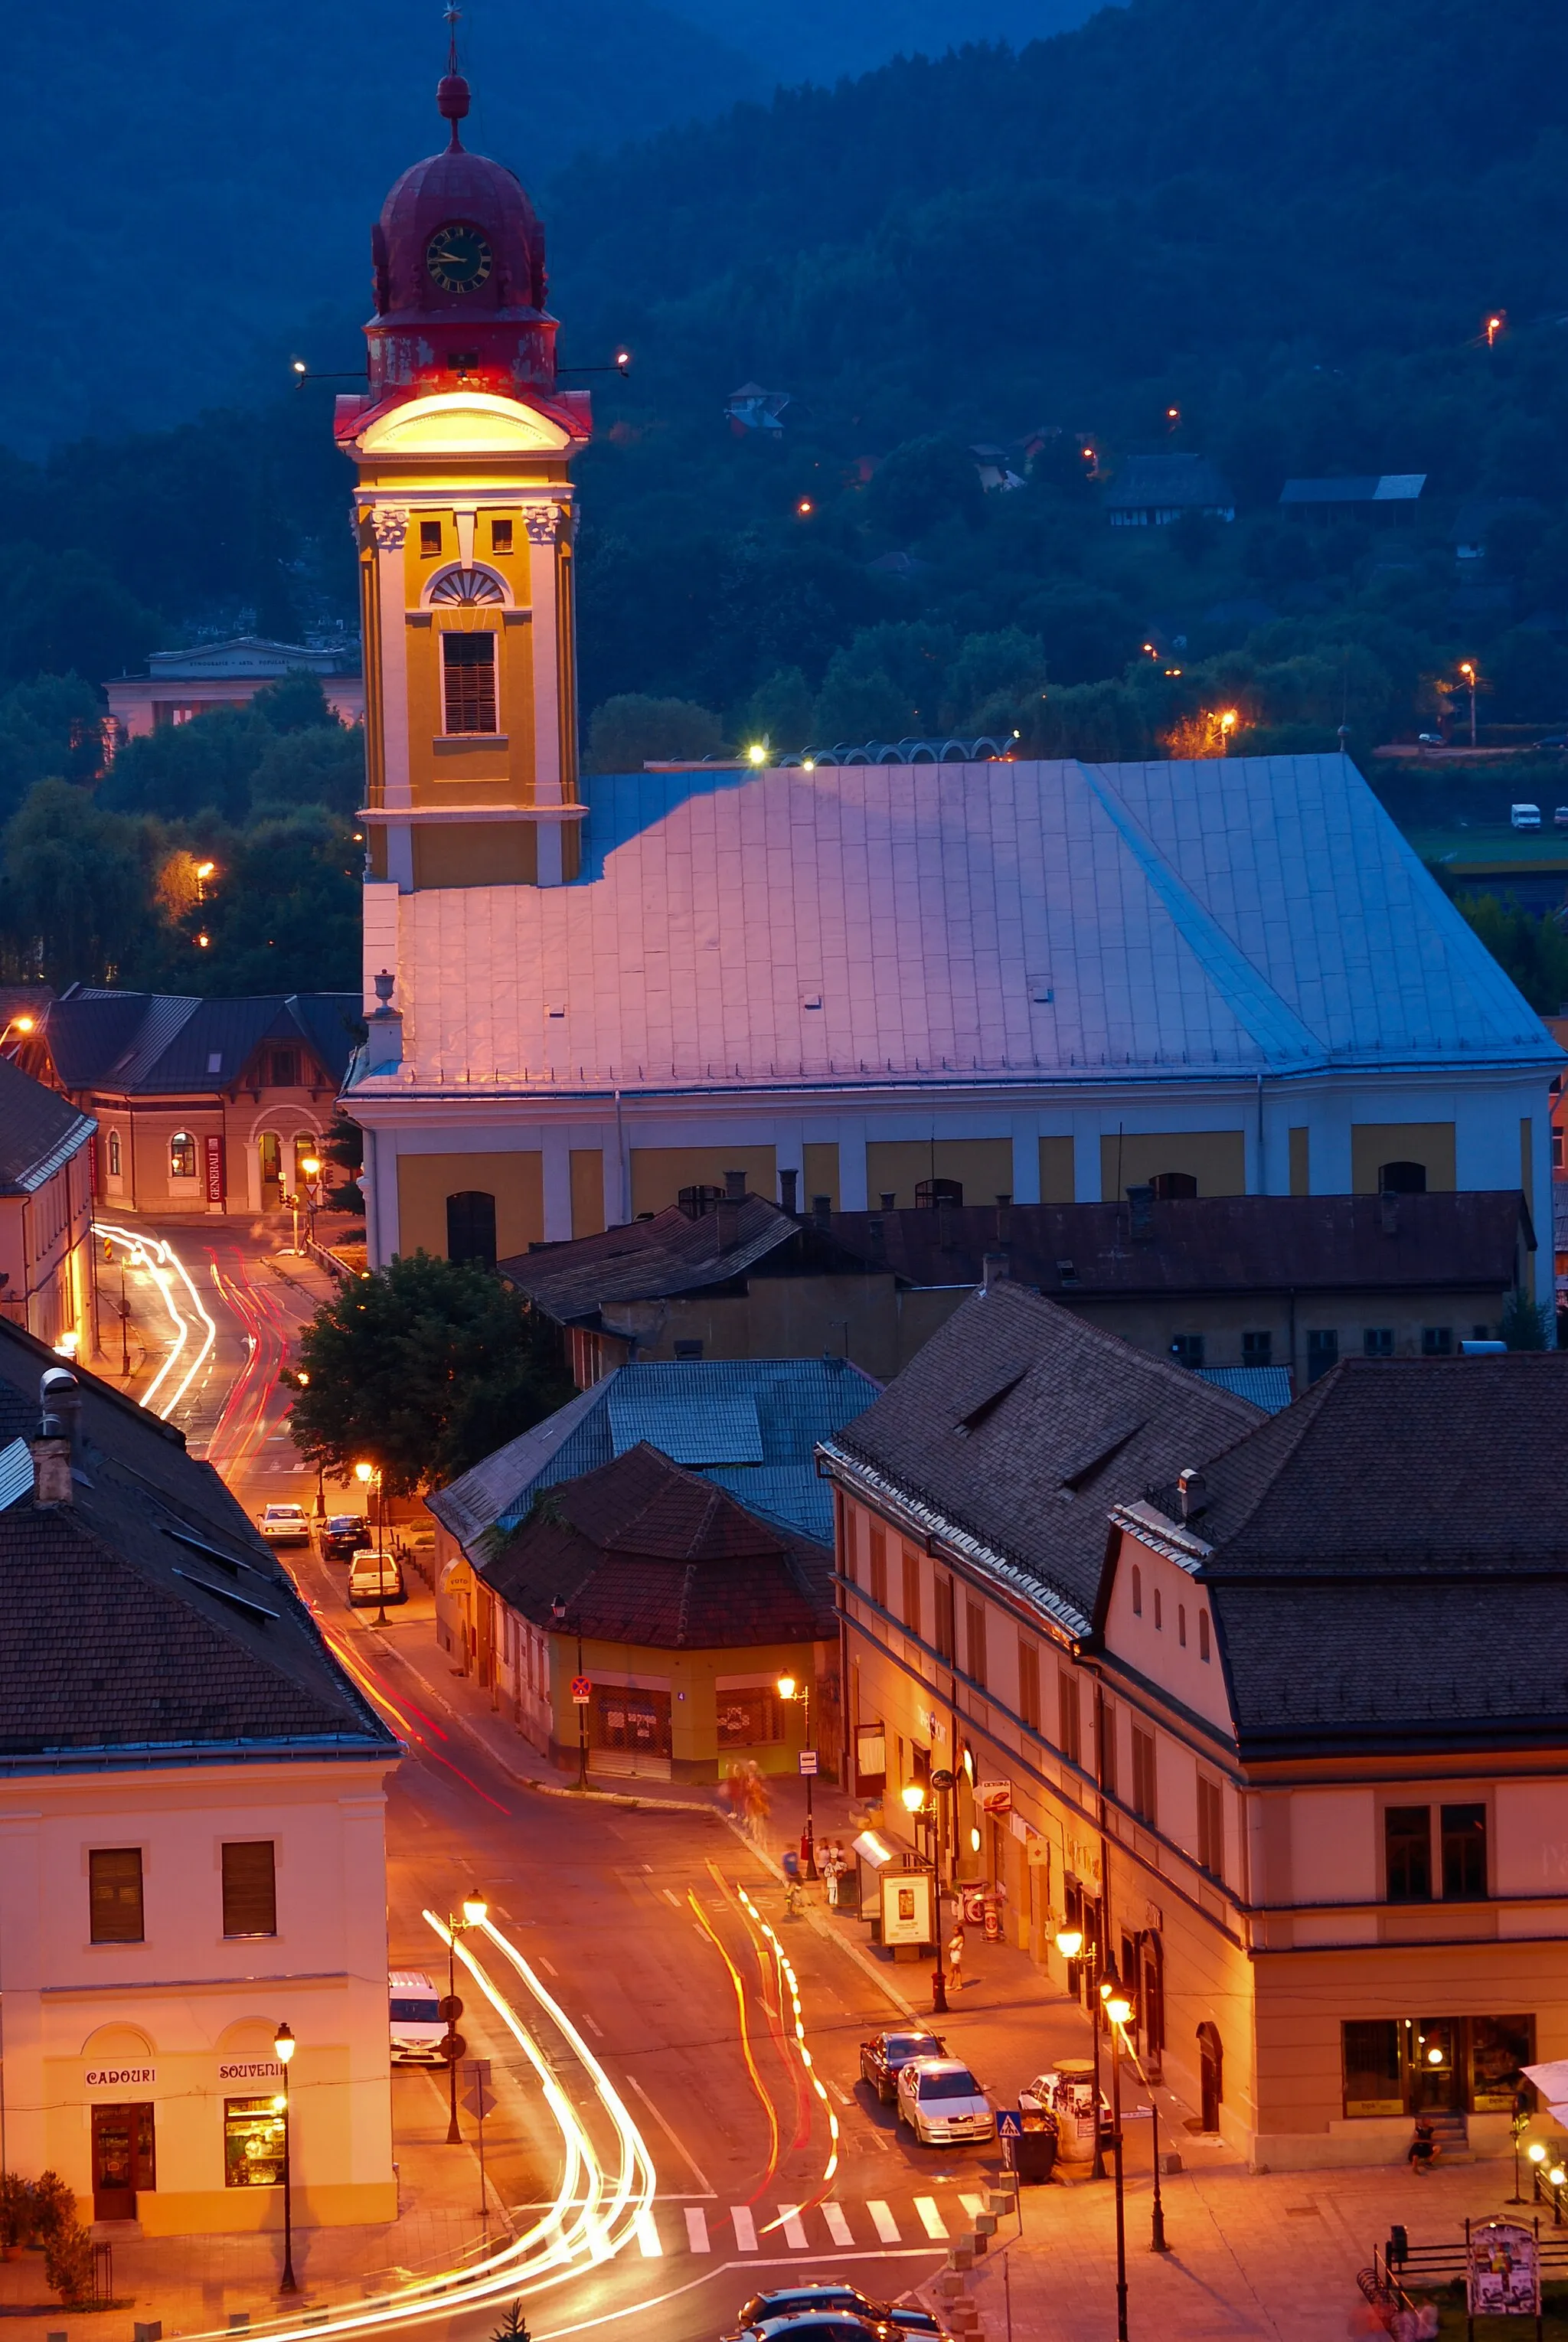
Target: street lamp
pixel 941 1782
pixel 788 1691
pixel 282 2042
pixel 474 1910
pixel 1118 2009
pixel 310 1171
pixel 1537 2154
pixel 1467 669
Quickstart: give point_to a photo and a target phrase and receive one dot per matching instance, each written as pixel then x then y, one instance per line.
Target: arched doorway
pixel 1211 2074
pixel 471 1226
pixel 1152 2002
pixel 1402 1178
pixel 1173 1186
pixel 269 1150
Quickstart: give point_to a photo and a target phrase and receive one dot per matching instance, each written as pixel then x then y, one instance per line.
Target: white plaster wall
pixel 1334 1847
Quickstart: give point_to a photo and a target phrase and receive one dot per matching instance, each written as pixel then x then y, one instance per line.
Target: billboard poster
pixel 1502 2270
pixel 908 1911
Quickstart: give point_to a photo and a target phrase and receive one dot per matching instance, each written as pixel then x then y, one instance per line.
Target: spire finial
pixel 452 95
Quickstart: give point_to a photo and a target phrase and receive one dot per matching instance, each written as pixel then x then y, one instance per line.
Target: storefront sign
pixel 252 2069
pixel 119 2078
pixel 994 1797
pixel 1502 2270
pixel 214 1166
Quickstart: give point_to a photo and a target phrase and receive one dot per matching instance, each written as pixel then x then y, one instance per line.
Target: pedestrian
pixel 1422 2151
pixel 955 1959
pixel 791 1883
pixel 833 1870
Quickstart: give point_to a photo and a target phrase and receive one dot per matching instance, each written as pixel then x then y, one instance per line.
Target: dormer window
pixel 468 679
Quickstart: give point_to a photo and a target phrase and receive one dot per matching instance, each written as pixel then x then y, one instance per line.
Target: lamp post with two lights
pixel 790 1691
pixel 473 1911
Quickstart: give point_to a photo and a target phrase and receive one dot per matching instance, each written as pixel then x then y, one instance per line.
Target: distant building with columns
pixel 1046 982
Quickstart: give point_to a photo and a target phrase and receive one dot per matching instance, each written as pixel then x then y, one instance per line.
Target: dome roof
pixel 455 189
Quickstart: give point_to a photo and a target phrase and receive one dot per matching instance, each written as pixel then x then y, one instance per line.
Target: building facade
pixel 191 1839
pixel 46 1281
pixel 1271 1709
pixel 179 684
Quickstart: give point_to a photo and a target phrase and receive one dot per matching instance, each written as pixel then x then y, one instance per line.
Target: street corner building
pixel 1271 1708
pixel 662 1545
pixel 191 1839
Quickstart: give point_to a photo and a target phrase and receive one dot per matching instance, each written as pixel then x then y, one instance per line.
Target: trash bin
pixel 1031 2155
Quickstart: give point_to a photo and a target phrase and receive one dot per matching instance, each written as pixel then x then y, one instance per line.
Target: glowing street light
pixel 757 754
pixel 788 1690
pixel 913 1797
pixel 284 2043
pixel 1471 685
pixel 1494 325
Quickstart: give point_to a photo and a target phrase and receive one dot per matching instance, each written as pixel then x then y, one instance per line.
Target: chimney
pixel 786 1191
pixel 384 1043
pixel 1194 1491
pixel 822 1210
pixel 993 1270
pixel 887 1200
pixel 1388 1211
pixel 60 1398
pixel 59 1436
pixel 1142 1200
pixel 727 1211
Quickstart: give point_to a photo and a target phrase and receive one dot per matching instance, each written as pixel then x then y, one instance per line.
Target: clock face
pixel 458 258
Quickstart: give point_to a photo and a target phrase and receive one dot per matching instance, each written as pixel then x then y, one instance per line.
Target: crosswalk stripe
pixel 794 2227
pixel 746 2229
pixel 837 2225
pixel 648 2235
pixel 882 2221
pixel 974 2205
pixel 697 2229
pixel 930 2219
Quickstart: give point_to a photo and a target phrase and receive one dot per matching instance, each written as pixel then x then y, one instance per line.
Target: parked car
pixel 1430 740
pixel 1067 2091
pixel 285 1524
pixel 374 1578
pixel 828 2293
pixel 943 2103
pixel 1524 816
pixel 1560 817
pixel 414 2009
pixel 1553 740
pixel 818 2325
pixel 881 2057
pixel 342 1536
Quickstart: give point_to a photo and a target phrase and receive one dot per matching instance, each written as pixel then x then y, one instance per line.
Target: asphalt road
pixel 635 1920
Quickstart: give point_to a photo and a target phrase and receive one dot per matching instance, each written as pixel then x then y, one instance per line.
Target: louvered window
pixel 115 1893
pixel 250 1889
pixel 468 671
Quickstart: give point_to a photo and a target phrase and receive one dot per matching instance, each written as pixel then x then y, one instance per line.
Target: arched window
pixel 1173 1186
pixel 1212 2074
pixel 269 1147
pixel 113 1155
pixel 182 1156
pixel 1203 1634
pixel 1402 1178
pixel 928 1192
pixel 1137 1591
pixel 471 1226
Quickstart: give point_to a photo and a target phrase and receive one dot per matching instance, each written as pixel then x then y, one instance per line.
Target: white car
pixel 375 1577
pixel 285 1524
pixel 943 2103
pixel 1067 2092
pixel 414 2007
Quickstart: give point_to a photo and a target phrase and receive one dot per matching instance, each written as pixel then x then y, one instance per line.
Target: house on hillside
pixel 1152 491
pixel 179 684
pixel 47 1282
pixel 751 408
pixel 1386 493
pixel 202 1105
pixel 191 1812
pixel 1270 1708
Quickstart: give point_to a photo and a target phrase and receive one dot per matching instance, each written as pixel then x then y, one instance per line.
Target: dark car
pixel 884 2053
pixel 800 2300
pixel 817 2321
pixel 341 1535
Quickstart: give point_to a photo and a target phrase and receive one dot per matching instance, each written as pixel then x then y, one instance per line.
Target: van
pixel 1524 816
pixel 414 2006
pixel 375 1577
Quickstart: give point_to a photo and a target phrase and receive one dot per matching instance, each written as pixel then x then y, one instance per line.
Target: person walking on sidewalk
pixel 955 1958
pixel 833 1869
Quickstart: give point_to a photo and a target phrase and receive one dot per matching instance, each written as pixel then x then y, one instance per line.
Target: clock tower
pixel 464 517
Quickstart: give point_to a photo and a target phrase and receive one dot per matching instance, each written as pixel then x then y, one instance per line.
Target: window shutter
pixel 250 1889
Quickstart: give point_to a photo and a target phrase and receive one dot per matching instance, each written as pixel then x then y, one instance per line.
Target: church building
pixel 880 984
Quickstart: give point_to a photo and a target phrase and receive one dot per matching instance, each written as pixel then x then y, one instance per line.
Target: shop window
pixel 182 1156
pixel 1464 1852
pixel 113 1155
pixel 1137 1591
pixel 250 1889
pixel 1437 1341
pixel 1070 1714
pixel 912 1591
pixel 946 1624
pixel 253 2142
pixel 1415 2065
pixel 1377 1342
pixel 115 1895
pixel 749 1717
pixel 1258 1349
pixel 1407 1851
pixel 471 1226
pixel 1374 2068
pixel 468 677
pixel 1499 2047
pixel 1210 1827
pixel 1144 1776
pixel 1029 1683
pixel 1187 1349
pixel 975 1641
pixel 870 1758
pixel 877 1557
pixel 1322 1351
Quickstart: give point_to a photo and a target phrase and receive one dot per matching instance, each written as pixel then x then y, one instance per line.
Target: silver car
pixel 943 2103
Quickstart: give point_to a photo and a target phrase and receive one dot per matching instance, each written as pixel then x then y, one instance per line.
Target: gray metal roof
pixel 1067 921
pixel 39 1131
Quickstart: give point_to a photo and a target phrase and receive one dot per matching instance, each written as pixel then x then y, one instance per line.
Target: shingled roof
pixel 1018 1426
pixel 675 1251
pixel 146 1623
pixel 643 1552
pixel 1387 1560
pixel 156 1043
pixel 39 1131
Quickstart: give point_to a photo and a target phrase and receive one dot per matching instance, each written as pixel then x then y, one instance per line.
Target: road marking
pixel 541 1962
pixel 882 2221
pixel 930 2219
pixel 648 2235
pixel 793 2226
pixel 596 2030
pixel 974 2205
pixel 842 2096
pixel 746 2229
pixel 681 2149
pixel 670 1897
pixel 837 2225
pixel 697 2229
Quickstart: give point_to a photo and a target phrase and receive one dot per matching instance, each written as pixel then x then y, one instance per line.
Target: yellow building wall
pixel 516 1181
pixel 587 1191
pixel 1057 1174
pixel 475 854
pixel 1217 1159
pixel 659 1173
pixel 896 1165
pixel 1373 1144
pixel 819 1175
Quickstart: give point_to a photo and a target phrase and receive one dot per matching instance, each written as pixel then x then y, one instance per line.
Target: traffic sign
pixel 479 2101
pixel 942 1778
pixel 479 2072
pixel 451 2047
pixel 808 1760
pixel 1009 2123
pixel 582 1690
pixel 449 2008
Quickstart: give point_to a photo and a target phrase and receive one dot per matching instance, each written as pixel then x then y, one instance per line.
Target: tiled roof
pixel 1388 1558
pixel 1266 1386
pixel 152 1043
pixel 39 1131
pixel 1020 1424
pixel 646 1259
pixel 641 1552
pixel 793 1403
pixel 1067 921
pixel 147 1622
pixel 1205 1243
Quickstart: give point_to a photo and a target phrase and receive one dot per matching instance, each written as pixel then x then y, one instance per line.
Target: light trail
pixel 163 1266
pixel 787 1975
pixel 736 1980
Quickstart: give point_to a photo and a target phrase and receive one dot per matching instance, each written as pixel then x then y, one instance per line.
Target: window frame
pixel 451 666
pixel 1211 1815
pixel 910 1560
pixel 974 1640
pixel 877 1564
pixel 233 1889
pixel 106 1855
pixel 1412 1839
pixel 181 1143
pixel 1029 1683
pixel 1069 1716
pixel 1145 1772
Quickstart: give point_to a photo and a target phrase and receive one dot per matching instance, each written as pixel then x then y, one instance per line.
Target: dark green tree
pixel 75 903
pixel 51 728
pixel 284 914
pixel 67 613
pixel 632 730
pixel 423 1368
pixel 922 483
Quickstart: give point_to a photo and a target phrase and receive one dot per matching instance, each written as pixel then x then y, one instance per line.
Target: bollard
pixel 151 2331
pixel 985 2224
pixel 238 2318
pixel 960 2254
